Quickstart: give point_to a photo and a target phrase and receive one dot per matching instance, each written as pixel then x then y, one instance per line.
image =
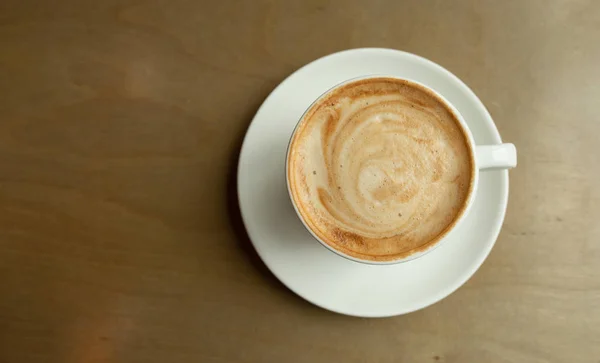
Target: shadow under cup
pixel 483 157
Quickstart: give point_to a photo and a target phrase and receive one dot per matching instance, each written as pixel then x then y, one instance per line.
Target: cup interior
pixel 474 180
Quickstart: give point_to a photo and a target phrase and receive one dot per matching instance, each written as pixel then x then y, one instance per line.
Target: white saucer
pixel 317 274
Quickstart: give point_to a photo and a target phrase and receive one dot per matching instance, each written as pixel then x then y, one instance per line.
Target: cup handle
pixel 503 156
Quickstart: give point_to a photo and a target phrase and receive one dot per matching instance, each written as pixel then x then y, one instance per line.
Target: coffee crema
pixel 380 168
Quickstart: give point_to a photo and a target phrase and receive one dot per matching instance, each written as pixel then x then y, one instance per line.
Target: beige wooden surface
pixel 120 124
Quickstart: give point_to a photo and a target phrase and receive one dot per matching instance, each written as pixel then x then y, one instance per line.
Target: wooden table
pixel 120 126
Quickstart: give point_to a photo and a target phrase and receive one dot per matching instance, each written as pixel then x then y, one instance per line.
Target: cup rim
pixel 472 192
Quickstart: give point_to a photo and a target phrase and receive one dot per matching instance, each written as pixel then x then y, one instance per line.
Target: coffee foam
pixel 380 168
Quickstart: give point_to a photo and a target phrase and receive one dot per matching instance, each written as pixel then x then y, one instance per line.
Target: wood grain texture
pixel 120 124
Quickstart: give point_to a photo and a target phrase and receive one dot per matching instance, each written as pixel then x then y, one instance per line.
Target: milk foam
pixel 380 168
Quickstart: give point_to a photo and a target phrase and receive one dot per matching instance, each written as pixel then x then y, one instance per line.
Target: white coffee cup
pixel 500 156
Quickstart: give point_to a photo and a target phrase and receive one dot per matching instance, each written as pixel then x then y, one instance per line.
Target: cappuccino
pixel 380 168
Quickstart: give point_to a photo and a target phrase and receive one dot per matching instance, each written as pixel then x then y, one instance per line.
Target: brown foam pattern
pixel 380 168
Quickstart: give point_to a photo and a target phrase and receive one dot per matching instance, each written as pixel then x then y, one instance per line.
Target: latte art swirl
pixel 380 168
